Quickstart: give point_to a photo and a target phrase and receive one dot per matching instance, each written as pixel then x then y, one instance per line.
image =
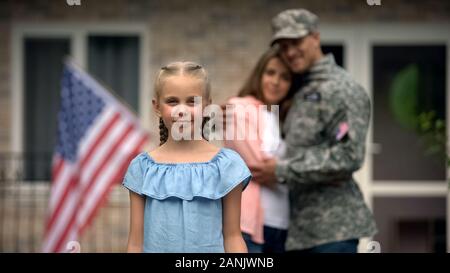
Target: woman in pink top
pixel 264 211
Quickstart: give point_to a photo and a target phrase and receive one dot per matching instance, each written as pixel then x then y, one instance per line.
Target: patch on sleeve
pixel 312 96
pixel 342 131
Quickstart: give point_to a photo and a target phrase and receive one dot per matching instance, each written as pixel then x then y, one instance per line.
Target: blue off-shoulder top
pixel 183 207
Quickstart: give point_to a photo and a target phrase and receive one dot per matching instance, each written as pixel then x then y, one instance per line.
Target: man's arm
pixel 334 159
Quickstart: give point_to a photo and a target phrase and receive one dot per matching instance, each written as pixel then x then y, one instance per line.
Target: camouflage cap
pixel 293 24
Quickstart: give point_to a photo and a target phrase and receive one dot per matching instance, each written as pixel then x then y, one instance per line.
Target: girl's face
pixel 275 81
pixel 177 101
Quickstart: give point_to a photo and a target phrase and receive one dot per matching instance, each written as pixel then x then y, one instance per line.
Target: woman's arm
pixel 135 238
pixel 232 236
pixel 246 130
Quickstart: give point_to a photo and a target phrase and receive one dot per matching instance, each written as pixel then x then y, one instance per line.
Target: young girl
pixel 265 211
pixel 186 194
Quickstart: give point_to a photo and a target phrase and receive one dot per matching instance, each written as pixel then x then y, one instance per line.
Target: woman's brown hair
pixel 252 86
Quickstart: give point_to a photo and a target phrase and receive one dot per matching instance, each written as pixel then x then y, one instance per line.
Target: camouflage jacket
pixel 326 203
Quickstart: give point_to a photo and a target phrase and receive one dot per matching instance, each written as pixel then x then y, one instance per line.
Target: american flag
pixel 97 138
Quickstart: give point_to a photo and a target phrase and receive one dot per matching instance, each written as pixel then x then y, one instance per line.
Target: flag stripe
pixel 63 200
pixel 97 131
pixel 113 165
pixel 121 170
pixel 60 180
pixel 102 151
pixel 82 193
pixel 55 229
pixel 57 165
pixel 104 133
pixel 105 161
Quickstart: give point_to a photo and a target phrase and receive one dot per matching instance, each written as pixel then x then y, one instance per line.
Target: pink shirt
pixel 252 214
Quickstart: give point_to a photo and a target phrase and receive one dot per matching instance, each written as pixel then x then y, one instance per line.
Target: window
pixel 337 50
pixel 407 81
pixel 43 69
pixel 111 58
pixel 115 61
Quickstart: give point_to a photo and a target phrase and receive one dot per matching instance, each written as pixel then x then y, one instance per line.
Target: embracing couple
pixel 303 197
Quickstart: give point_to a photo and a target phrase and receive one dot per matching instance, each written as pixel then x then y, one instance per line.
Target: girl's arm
pixel 232 236
pixel 135 238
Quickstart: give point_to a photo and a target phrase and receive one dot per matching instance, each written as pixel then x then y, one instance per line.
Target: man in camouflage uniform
pixel 325 133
